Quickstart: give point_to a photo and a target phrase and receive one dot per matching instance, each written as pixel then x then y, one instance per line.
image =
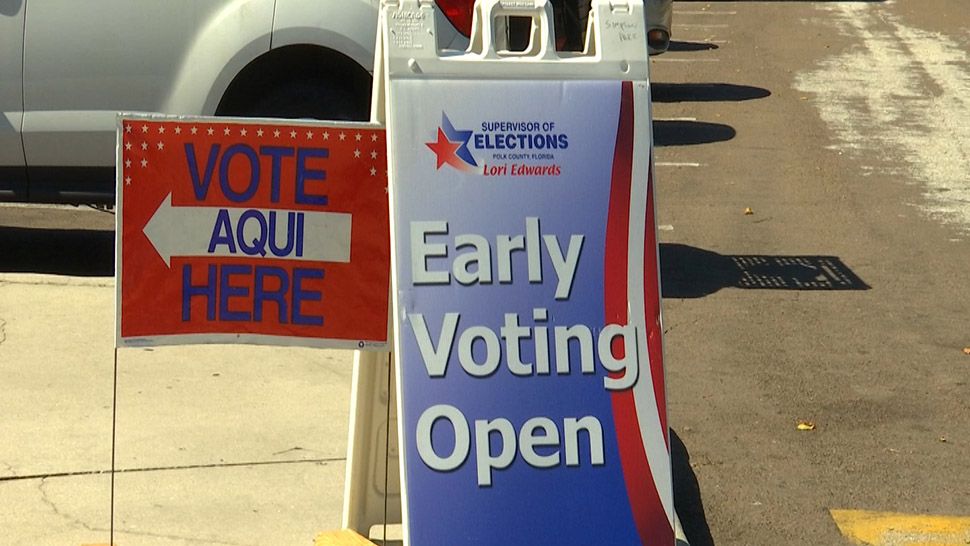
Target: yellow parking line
pixel 894 529
pixel 343 537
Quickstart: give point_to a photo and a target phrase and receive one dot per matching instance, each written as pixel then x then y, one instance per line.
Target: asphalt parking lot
pixel 814 215
pixel 813 219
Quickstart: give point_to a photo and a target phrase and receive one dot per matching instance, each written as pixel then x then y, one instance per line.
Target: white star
pixel 373 155
pixel 343 137
pixel 195 130
pixel 161 145
pixel 178 130
pixel 144 145
pixel 243 132
pixel 127 145
pixel 259 132
pixel 309 135
pixel 128 128
pixel 161 129
pixel 276 133
pixel 292 134
pixel 358 136
pixel 373 171
pixel 357 153
pixel 144 163
pixel 210 131
pixel 326 135
pixel 144 128
pixel 226 131
pixel 127 180
pixel 127 163
pixel 373 137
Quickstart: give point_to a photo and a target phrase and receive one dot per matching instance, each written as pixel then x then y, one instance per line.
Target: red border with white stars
pixel 153 164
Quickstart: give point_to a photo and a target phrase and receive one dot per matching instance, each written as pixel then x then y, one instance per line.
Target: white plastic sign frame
pixel 528 352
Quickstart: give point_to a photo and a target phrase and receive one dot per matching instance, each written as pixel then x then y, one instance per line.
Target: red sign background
pixel 153 164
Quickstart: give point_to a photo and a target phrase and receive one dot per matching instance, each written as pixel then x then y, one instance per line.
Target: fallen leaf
pixel 805 425
pixel 748 211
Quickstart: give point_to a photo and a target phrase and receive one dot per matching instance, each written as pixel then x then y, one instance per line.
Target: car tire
pixel 313 98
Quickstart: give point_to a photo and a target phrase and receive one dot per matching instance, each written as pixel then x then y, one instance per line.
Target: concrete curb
pixel 56 280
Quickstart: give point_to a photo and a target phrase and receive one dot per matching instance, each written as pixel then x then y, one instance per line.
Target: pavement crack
pixel 177 537
pixel 321 461
pixel 295 450
pixel 61 514
pixel 3 331
pixel 76 521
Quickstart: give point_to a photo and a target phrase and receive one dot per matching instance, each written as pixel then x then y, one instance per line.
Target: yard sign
pixel 251 231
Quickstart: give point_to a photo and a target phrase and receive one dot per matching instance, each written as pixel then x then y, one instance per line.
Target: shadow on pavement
pixel 691 46
pixel 706 92
pixel 689 272
pixel 687 495
pixel 77 252
pixel 685 133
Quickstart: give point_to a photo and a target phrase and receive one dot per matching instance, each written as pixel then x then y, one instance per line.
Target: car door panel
pixel 13 184
pixel 83 63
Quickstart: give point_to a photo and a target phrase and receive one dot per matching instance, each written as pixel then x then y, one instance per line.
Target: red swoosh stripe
pixel 647 509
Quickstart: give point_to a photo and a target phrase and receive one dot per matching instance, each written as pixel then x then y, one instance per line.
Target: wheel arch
pixel 291 64
pixel 249 34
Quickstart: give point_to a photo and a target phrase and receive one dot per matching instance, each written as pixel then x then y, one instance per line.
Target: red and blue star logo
pixel 451 148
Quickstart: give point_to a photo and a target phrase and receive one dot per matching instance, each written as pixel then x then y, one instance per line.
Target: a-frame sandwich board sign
pixel 528 351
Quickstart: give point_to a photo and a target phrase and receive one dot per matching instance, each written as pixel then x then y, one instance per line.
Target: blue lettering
pixel 201 187
pixel 244 293
pixel 253 185
pixel 189 290
pixel 259 243
pixel 300 295
pixel 299 239
pixel 290 235
pixel 261 294
pixel 304 174
pixel 222 233
pixel 227 290
pixel 277 153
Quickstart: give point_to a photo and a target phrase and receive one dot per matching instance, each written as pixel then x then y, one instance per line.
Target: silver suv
pixel 67 68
